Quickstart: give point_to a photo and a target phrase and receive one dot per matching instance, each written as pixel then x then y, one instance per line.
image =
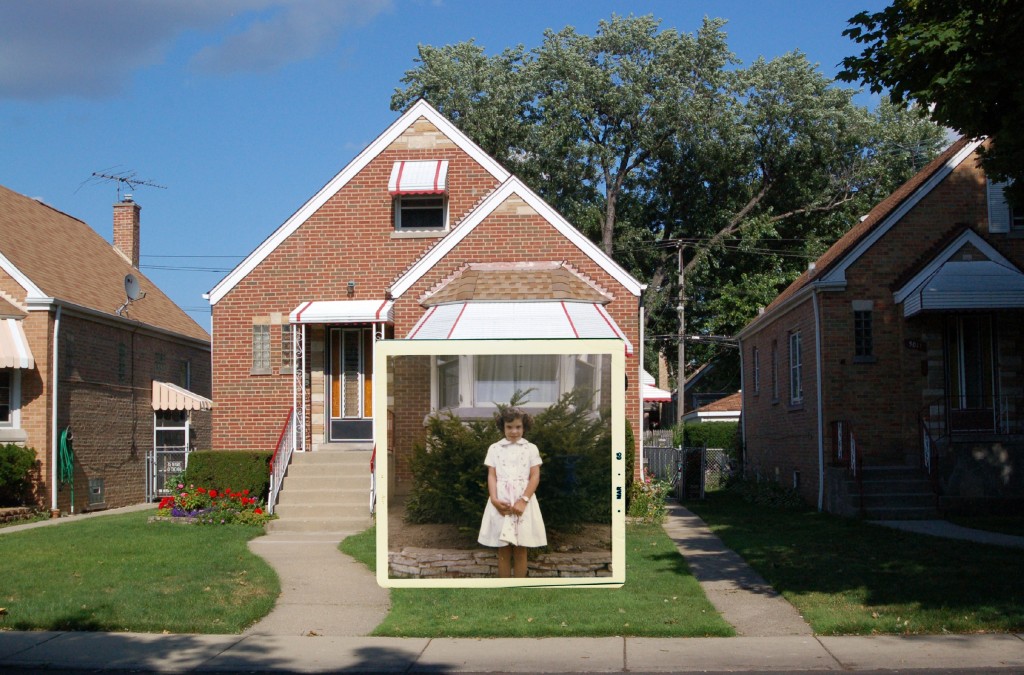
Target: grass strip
pixel 849 577
pixel 659 599
pixel 122 573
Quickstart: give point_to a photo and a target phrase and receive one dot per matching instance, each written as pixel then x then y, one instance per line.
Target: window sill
pixel 796 406
pixel 261 371
pixel 418 234
pixel 865 359
pixel 12 435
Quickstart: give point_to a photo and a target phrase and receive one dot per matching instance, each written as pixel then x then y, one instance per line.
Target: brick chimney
pixel 126 229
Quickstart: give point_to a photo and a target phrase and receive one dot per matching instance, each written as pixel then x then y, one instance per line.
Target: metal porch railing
pixel 281 458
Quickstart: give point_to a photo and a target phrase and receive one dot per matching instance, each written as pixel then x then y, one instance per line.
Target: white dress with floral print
pixel 512 463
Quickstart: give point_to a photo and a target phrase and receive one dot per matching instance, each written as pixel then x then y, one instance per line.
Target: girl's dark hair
pixel 511 414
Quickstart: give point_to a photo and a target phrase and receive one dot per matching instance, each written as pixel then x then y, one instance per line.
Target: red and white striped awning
pixel 167 396
pixel 419 178
pixel 518 320
pixel 14 350
pixel 344 311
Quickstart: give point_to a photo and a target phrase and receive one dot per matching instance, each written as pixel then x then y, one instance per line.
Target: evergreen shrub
pixel 449 482
pixel 16 464
pixel 236 471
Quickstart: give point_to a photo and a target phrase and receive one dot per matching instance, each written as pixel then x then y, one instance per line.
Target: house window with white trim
pixel 481 381
pixel 755 358
pixel 796 387
pixel 420 213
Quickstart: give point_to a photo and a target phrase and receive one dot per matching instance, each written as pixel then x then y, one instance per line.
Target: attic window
pixel 420 190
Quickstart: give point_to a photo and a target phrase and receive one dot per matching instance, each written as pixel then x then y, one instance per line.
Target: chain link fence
pixel 691 471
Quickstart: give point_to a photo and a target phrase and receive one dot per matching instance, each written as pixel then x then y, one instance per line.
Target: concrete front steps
pixel 325 491
pixel 894 493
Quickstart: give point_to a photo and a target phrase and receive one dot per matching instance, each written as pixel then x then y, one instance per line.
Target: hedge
pixel 236 471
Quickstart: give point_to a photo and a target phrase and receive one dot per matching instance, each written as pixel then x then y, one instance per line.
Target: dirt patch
pixel 401 534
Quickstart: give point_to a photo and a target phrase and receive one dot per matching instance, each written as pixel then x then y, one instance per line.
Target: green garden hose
pixel 67 463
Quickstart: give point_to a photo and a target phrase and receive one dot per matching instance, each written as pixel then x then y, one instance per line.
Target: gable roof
pixel 512 187
pixel 830 268
pixel 54 256
pixel 419 109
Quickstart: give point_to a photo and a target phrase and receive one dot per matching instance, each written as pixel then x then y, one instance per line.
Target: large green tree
pixel 961 59
pixel 647 138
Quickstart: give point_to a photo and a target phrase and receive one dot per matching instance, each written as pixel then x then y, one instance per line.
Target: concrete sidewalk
pixel 257 653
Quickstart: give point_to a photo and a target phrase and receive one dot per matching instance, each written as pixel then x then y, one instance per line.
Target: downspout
pixel 641 387
pixel 818 384
pixel 743 417
pixel 55 443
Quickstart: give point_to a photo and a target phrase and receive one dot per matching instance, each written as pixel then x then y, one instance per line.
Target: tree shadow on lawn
pixel 806 553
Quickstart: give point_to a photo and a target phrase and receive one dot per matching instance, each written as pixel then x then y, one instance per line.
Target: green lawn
pixel 849 577
pixel 660 599
pixel 121 573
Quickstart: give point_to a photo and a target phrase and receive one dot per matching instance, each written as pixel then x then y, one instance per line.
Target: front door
pixel 969 367
pixel 351 383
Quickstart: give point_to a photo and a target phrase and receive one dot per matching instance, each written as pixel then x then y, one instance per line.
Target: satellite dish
pixel 131 287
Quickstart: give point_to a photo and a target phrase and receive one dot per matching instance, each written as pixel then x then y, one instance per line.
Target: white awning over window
pixel 419 178
pixel 963 285
pixel 344 311
pixel 14 351
pixel 517 320
pixel 652 393
pixel 167 396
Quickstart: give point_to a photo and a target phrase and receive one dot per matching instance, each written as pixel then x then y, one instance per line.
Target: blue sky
pixel 243 109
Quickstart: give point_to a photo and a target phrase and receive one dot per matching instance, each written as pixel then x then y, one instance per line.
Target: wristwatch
pixel 525 499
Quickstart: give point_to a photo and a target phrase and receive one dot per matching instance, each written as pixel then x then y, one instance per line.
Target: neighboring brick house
pixel 905 338
pixel 73 355
pixel 422 235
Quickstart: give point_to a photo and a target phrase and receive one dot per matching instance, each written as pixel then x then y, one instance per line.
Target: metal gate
pixel 169 456
pixel 690 471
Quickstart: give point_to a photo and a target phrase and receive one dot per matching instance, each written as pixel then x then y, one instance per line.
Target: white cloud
pixel 53 48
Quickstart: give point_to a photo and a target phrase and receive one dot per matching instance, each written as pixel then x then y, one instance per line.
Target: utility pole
pixel 681 308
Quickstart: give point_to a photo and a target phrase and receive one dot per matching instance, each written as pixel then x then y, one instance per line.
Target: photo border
pixel 615 349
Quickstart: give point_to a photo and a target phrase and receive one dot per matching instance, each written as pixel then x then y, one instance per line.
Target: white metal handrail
pixel 282 457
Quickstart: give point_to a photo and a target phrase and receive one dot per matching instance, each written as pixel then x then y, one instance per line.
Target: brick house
pixel 899 347
pixel 75 355
pixel 422 235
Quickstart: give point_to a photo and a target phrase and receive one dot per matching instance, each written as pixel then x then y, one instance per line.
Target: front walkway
pixel 740 594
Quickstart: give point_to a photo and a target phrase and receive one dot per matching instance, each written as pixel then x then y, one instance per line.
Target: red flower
pixel 213 493
pixel 245 492
pixel 166 503
pixel 258 511
pixel 201 490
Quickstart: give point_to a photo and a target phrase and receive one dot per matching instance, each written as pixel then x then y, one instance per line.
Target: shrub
pixel 724 435
pixel 16 464
pixel 647 499
pixel 449 482
pixel 769 493
pixel 237 471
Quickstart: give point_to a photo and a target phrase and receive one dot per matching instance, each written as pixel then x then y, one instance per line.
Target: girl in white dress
pixel 512 520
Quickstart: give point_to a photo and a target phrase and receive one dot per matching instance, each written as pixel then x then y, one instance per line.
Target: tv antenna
pixel 126 179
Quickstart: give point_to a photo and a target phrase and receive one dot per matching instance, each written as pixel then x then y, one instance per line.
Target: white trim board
pixel 419 109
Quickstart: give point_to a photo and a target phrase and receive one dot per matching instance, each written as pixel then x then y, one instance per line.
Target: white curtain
pixel 498 377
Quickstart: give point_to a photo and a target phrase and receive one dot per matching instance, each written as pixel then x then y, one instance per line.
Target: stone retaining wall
pixel 16 513
pixel 423 563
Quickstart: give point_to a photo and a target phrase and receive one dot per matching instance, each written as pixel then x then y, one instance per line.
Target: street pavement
pixel 329 604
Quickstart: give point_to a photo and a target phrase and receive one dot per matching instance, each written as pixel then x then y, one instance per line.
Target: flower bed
pixel 202 506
